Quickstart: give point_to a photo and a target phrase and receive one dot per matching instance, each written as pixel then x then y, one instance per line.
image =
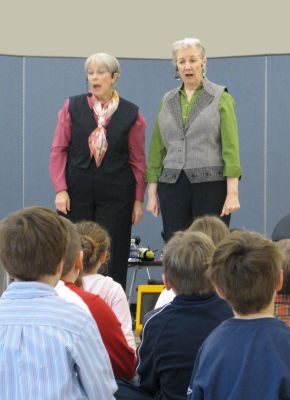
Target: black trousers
pixel 182 202
pixel 108 200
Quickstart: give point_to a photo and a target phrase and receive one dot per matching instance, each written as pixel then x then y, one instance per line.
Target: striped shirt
pixel 50 349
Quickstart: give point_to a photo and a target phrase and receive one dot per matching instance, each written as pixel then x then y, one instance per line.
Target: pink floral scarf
pixel 97 140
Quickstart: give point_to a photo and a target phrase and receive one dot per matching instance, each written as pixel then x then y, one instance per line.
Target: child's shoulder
pixel 62 315
pixel 159 316
pixel 68 309
pixel 260 330
pixel 103 285
pixel 108 281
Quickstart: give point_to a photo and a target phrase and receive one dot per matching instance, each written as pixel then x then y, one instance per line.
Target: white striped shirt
pixel 50 349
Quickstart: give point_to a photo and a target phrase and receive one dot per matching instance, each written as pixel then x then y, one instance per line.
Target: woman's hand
pixel 153 202
pixel 232 203
pixel 138 212
pixel 153 205
pixel 62 201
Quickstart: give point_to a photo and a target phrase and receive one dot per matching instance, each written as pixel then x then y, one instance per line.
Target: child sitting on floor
pixel 247 357
pixel 172 336
pixel 215 228
pixel 122 356
pixel 95 244
pixel 50 349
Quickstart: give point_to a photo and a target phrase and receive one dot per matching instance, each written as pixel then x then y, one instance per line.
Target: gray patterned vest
pixel 196 148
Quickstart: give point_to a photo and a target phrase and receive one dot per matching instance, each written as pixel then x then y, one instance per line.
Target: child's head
pixel 245 269
pixel 185 261
pixel 32 243
pixel 95 244
pixel 213 226
pixel 74 246
pixel 284 246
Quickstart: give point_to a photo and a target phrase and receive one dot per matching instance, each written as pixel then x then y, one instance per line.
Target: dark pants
pixel 108 200
pixel 182 202
pixel 128 391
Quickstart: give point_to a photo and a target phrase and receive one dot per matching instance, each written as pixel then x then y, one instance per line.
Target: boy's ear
pixel 219 293
pixel 79 261
pixel 166 282
pixel 59 268
pixel 280 281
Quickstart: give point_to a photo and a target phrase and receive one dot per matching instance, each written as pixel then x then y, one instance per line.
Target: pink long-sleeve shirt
pixel 61 140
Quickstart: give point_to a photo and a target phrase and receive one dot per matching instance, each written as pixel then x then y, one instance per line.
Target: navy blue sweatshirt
pixel 244 360
pixel 171 339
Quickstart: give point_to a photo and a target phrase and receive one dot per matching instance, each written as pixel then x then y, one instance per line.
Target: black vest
pixel 83 123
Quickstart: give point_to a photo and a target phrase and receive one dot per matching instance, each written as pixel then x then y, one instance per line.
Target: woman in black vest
pixel 97 162
pixel 193 166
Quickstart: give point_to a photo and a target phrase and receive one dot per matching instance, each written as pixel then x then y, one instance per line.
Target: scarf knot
pixel 97 140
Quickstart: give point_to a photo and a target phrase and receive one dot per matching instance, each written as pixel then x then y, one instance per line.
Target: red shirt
pixel 122 356
pixel 61 140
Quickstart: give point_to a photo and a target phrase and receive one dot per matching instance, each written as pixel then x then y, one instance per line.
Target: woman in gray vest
pixel 194 165
pixel 97 162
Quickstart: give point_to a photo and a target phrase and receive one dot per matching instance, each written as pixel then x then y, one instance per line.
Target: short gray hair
pixel 185 43
pixel 185 262
pixel 109 62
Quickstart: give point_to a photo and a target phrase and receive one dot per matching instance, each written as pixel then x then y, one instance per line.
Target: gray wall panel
pixel 244 78
pixel 11 121
pixel 48 82
pixel 259 85
pixel 278 149
pixel 145 82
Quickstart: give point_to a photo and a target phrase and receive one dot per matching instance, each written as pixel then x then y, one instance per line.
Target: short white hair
pixel 185 43
pixel 109 62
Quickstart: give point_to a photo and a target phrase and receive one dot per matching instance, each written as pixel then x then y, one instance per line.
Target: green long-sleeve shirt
pixel 229 137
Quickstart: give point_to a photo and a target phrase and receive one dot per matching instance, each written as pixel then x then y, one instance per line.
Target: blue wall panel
pixel 259 85
pixel 48 82
pixel 11 121
pixel 145 82
pixel 278 143
pixel 244 78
